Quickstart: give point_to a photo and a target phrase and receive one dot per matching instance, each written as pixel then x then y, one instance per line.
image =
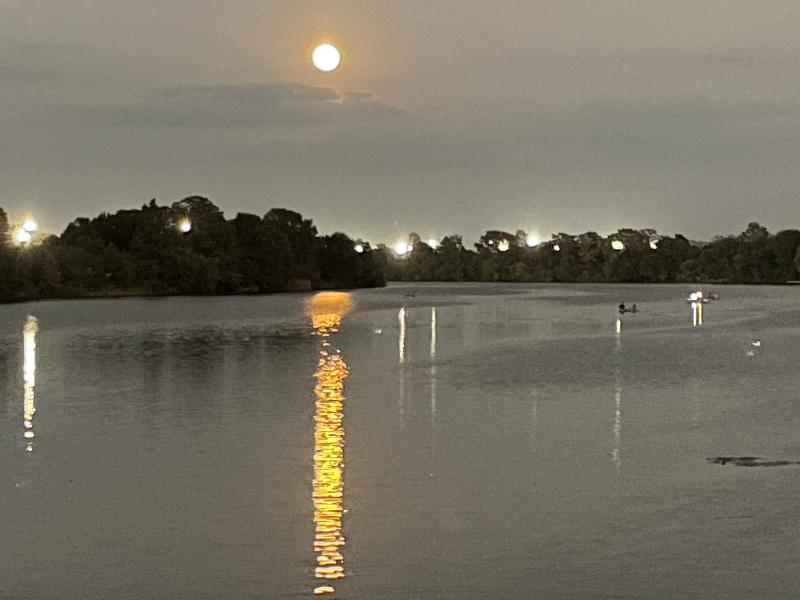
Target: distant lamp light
pixel 359 248
pixel 617 245
pixel 433 243
pixel 654 243
pixel 30 225
pixel 699 295
pixel 401 248
pixel 531 241
pixel 556 248
pixel 503 246
pixel 185 226
pixel 23 237
pixel 693 296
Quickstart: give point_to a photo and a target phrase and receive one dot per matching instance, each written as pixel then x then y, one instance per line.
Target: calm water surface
pixel 471 442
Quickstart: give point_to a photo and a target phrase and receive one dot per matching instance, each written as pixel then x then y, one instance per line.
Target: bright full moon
pixel 326 57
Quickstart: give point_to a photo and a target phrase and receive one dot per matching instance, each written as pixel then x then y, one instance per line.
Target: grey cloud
pixel 251 92
pixel 252 105
pixel 359 95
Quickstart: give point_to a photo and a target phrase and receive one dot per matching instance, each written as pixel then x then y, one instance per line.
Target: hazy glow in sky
pixel 446 117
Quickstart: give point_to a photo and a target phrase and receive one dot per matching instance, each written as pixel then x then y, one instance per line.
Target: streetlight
pixel 185 226
pixel 617 245
pixel 531 241
pixel 359 248
pixel 402 248
pixel 30 225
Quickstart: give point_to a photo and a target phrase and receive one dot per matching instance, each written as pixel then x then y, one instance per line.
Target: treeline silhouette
pixel 146 251
pixel 190 247
pixel 628 256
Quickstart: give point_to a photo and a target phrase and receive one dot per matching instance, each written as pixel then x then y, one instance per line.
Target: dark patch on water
pixel 750 461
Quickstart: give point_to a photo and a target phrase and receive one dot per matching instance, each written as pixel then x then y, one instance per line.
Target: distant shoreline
pixel 143 294
pixel 400 284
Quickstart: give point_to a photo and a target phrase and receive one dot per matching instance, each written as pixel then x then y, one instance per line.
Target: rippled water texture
pixel 469 441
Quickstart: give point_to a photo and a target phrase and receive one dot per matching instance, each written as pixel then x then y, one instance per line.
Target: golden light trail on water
pixel 327 310
pixel 29 379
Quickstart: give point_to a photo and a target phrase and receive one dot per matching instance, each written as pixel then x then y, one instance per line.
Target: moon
pixel 326 57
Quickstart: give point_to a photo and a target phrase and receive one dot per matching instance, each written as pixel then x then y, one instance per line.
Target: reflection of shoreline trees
pixel 754 256
pixel 145 251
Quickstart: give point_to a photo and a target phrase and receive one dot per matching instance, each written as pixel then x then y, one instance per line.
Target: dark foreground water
pixel 482 442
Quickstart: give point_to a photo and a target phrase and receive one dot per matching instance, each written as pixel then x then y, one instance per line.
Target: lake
pixel 470 441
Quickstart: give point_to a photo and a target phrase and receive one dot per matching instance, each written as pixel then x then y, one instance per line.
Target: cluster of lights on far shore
pixel 24 233
pixel 404 248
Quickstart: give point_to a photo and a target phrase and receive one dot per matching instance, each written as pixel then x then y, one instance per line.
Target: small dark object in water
pixel 750 461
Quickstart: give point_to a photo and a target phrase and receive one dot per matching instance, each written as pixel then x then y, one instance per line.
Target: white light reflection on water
pixel 616 428
pixel 433 367
pixel 327 310
pixel 616 453
pixel 534 419
pixel 29 379
pixel 697 308
pixel 401 342
pixel 433 395
pixel 433 331
pixel 401 358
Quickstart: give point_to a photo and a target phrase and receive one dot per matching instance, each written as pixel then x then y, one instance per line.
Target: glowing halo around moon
pixel 326 57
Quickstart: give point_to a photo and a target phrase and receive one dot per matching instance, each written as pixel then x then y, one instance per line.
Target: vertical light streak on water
pixel 401 358
pixel 29 379
pixel 616 453
pixel 433 367
pixel 694 314
pixel 694 399
pixel 401 340
pixel 401 396
pixel 699 313
pixel 433 331
pixel 433 395
pixel 327 311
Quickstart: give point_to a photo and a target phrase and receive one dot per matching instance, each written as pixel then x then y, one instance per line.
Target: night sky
pixel 445 117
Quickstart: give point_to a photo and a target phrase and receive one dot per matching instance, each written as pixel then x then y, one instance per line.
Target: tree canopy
pixel 188 247
pixel 627 256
